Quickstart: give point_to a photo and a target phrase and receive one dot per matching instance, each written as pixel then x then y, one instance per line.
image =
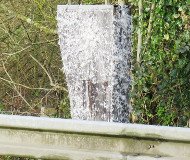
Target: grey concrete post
pixel 95 44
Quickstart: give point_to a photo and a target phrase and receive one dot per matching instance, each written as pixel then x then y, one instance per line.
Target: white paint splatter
pixel 96 52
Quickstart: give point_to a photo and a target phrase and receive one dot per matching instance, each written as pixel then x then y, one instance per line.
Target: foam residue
pixel 95 46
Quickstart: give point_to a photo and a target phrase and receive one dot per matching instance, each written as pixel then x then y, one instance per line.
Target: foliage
pixel 161 93
pixel 30 62
pixel 15 158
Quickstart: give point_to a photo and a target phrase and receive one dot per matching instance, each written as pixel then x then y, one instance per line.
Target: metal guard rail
pixel 53 138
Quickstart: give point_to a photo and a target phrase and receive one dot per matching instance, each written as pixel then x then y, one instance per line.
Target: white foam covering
pixel 95 44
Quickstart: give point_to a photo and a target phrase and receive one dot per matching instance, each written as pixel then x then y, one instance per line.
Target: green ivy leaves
pixel 161 87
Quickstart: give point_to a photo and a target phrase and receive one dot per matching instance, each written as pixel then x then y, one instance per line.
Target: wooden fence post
pixel 95 44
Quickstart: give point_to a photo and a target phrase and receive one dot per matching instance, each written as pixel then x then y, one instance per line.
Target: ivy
pixel 161 89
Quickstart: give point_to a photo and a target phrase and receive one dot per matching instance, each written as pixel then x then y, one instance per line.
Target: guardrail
pixel 50 138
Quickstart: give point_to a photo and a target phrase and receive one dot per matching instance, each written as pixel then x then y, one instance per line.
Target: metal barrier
pixel 50 138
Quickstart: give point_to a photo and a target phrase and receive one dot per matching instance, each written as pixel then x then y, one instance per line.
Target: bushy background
pixel 31 69
pixel 161 93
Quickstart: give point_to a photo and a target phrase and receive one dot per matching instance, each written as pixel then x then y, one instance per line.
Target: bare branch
pixel 140 38
pixel 14 86
pixel 151 20
pixel 29 21
pixel 50 79
pixel 23 85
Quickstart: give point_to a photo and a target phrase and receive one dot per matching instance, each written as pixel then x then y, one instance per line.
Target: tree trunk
pixel 140 37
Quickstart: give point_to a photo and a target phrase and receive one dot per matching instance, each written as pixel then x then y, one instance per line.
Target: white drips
pixel 96 47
